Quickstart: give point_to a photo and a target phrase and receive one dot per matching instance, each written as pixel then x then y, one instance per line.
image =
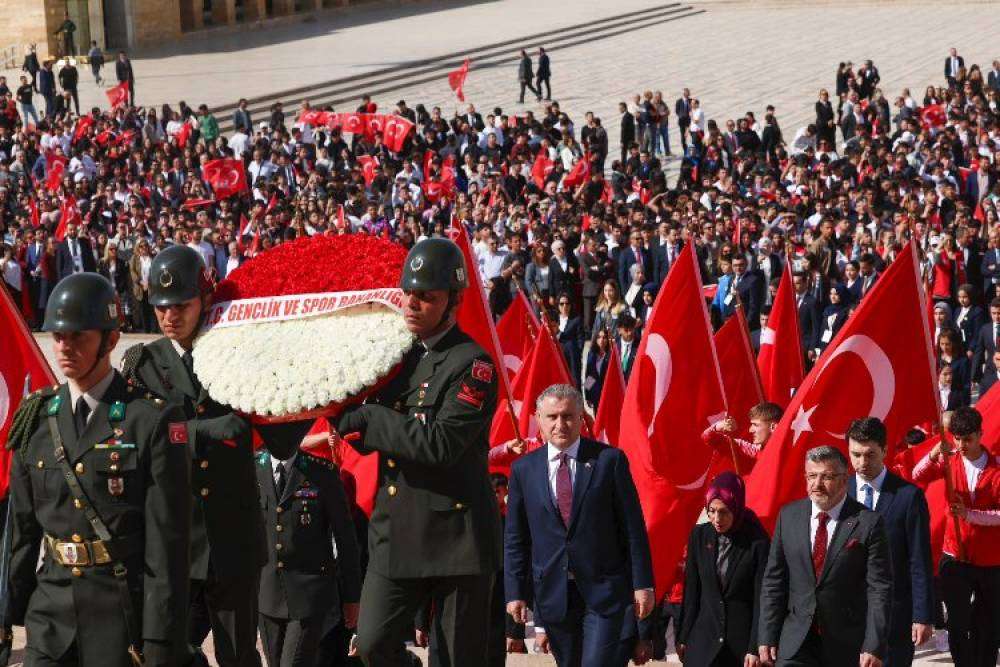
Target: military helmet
pixel 81 302
pixel 434 264
pixel 177 274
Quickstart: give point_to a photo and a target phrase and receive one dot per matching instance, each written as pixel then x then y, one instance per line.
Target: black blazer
pixel 983 370
pixel 850 599
pixel 808 322
pixel 969 325
pixel 628 129
pixel 121 274
pixel 64 259
pixel 571 341
pixel 564 281
pixel 716 613
pixel 626 258
pixel 630 359
pixel 597 368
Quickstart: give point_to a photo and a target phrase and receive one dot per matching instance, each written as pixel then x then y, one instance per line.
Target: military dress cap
pixel 434 264
pixel 81 302
pixel 177 274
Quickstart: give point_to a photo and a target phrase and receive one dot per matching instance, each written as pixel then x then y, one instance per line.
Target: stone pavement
pixel 734 55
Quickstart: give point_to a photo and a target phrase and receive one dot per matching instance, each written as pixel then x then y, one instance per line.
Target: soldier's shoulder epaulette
pixel 308 459
pixel 131 361
pixel 26 418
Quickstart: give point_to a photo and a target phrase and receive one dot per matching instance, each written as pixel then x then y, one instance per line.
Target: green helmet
pixel 177 274
pixel 434 264
pixel 81 302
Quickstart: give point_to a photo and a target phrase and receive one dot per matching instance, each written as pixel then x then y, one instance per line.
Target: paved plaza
pixel 735 56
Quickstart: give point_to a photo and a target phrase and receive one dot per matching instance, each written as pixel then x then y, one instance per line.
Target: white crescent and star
pixel 880 369
pixel 4 401
pixel 659 353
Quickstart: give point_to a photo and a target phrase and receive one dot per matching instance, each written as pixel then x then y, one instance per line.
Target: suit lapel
pixel 173 368
pixel 292 480
pixel 711 578
pixel 542 484
pixel 584 472
pixel 846 524
pixel 736 554
pixel 99 427
pixel 886 494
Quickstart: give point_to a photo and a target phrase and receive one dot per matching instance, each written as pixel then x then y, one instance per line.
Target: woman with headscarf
pixel 834 316
pixel 725 565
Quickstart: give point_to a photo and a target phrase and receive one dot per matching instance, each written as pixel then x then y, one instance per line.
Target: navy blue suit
pixel 626 258
pixel 579 580
pixel 907 524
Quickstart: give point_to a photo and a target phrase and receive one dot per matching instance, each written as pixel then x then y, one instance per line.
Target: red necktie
pixel 564 489
pixel 638 257
pixel 819 544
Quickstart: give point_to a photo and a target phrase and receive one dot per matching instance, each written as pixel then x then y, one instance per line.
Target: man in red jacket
pixel 970 566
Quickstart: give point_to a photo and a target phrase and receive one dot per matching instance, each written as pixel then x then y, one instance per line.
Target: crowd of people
pixel 588 235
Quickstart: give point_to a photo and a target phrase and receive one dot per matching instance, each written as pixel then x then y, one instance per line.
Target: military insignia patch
pixel 54 405
pixel 178 433
pixel 116 412
pixel 482 371
pixel 473 397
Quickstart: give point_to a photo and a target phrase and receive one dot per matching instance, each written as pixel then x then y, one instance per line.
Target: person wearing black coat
pixel 564 270
pixel 115 269
pixel 69 80
pixel 74 254
pixel 826 127
pixel 47 88
pixel 628 129
pixel 123 72
pixel 598 358
pixel 725 565
pixel 570 332
pixel 834 316
pixel 543 74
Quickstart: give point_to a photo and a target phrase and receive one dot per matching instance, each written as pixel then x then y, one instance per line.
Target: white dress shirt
pixel 92 396
pixel 876 485
pixel 553 455
pixel 278 462
pixel 831 524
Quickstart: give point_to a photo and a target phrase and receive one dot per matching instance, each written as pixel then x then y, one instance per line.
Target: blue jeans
pixel 662 138
pixel 29 110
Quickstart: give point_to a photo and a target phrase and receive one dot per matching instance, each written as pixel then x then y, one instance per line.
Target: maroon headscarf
pixel 732 491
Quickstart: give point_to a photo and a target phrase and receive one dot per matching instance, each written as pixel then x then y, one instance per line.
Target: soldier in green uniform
pixel 100 484
pixel 435 530
pixel 227 533
pixel 305 588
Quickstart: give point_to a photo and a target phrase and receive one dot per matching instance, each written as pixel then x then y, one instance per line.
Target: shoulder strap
pixel 103 534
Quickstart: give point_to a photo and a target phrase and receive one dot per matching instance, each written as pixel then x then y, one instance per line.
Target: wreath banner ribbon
pixel 296 306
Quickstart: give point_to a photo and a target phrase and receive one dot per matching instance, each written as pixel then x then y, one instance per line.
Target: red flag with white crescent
pixel 868 369
pixel 580 173
pixel 118 95
pixel 395 130
pixel 55 170
pixel 456 80
pixel 780 356
pixel 68 214
pixel 369 164
pixel 227 176
pixel 674 393
pixel 740 378
pixel 22 366
pixel 517 329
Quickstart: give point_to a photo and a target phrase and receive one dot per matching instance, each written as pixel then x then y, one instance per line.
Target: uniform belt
pixel 85 553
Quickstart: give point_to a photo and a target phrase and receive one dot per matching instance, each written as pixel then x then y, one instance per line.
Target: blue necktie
pixel 869 496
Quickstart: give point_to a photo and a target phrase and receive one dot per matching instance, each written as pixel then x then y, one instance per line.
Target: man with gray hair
pixel 827 587
pixel 575 548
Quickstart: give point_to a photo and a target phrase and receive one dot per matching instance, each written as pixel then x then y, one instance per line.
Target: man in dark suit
pixel 474 118
pixel 952 64
pixel 74 254
pixel 525 75
pixel 809 324
pixel 34 254
pixel 828 583
pixel 434 534
pixel 634 254
pixel 984 369
pixel 575 547
pixel 628 129
pixel 124 74
pixel 242 119
pixel 907 524
pixel 682 109
pixel 569 332
pixel 866 272
pixel 305 590
pixel 627 341
pixel 666 253
pixel 543 74
pixel 742 286
pixel 990 267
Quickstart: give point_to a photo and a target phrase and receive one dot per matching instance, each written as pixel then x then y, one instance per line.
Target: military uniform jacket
pixel 435 512
pixel 134 466
pixel 226 525
pixel 302 577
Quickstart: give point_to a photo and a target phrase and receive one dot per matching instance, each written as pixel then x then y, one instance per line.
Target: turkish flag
pixel 184 134
pixel 354 123
pixel 608 419
pixel 360 474
pixel 580 173
pixel 473 312
pixel 369 164
pixel 540 371
pixel 68 214
pixel 516 330
pixel 780 356
pixel 118 96
pixel 341 218
pixel 674 393
pixel 373 125
pixel 227 176
pixel 395 131
pixel 428 163
pixel 880 364
pixel 35 216
pixel 22 369
pixel 989 408
pixel 933 115
pixel 456 80
pixel 740 378
pixel 82 126
pixel 55 169
pixel 314 117
pixel 191 204
pixel 541 169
